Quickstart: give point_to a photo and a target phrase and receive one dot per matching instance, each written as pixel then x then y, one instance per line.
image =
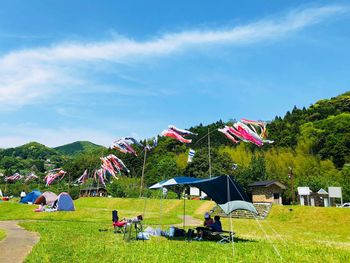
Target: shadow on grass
pixel 184 239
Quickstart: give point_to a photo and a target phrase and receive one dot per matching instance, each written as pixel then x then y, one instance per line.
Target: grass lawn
pixel 2 234
pixel 306 234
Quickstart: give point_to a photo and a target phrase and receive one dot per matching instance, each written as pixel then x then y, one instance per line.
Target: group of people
pixel 209 225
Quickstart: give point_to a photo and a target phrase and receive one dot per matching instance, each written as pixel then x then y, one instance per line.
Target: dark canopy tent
pixel 223 190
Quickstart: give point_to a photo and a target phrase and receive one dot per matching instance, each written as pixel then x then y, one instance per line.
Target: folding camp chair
pixel 119 226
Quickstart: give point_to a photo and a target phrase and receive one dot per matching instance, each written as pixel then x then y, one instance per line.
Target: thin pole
pixel 230 214
pixel 209 154
pixel 68 182
pixel 291 176
pixel 161 209
pixel 184 217
pixel 143 172
pixel 98 183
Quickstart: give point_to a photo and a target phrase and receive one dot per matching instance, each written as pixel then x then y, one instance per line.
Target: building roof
pixel 322 192
pixel 268 183
pixel 304 190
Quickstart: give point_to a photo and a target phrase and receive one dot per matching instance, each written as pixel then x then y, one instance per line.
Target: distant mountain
pixel 78 147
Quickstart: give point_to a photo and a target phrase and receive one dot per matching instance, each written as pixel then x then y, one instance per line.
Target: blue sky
pixel 93 70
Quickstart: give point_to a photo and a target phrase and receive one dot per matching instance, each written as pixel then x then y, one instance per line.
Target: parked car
pixel 346 205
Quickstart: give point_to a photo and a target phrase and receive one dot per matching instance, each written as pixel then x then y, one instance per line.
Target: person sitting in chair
pixel 208 221
pixel 216 227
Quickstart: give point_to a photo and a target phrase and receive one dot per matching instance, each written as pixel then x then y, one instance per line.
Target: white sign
pixel 304 190
pixel 194 191
pixel 334 192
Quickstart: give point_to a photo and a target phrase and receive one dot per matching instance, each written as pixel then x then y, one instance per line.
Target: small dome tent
pixel 47 198
pixel 64 202
pixel 31 197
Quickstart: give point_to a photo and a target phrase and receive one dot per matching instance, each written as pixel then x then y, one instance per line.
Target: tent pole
pixel 160 209
pixel 231 224
pixel 143 172
pixel 184 217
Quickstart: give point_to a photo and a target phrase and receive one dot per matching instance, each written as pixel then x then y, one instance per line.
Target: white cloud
pixel 30 75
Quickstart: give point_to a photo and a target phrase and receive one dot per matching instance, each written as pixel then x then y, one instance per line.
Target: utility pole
pixel 291 177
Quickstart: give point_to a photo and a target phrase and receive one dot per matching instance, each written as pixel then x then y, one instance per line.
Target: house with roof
pixel 267 192
pixel 93 191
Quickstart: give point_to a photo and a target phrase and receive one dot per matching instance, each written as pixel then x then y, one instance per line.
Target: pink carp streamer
pixel 31 177
pixel 248 131
pixel 177 134
pixel 227 134
pixel 181 131
pixel 111 166
pixel 124 145
pixel 13 178
pixel 100 176
pixel 83 178
pixel 53 175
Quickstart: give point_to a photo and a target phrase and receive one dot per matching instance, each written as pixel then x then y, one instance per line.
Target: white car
pixel 346 205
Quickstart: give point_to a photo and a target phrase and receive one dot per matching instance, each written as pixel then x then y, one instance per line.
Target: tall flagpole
pixel 209 154
pixel 143 171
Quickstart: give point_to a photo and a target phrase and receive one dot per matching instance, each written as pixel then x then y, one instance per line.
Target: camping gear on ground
pixel 31 197
pixel 143 236
pixel 40 209
pixel 23 194
pixel 190 234
pixel 176 232
pixel 47 198
pixel 64 202
pixel 1 193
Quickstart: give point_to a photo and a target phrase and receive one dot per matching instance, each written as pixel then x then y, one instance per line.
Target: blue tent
pixel 31 197
pixel 65 202
pixel 223 190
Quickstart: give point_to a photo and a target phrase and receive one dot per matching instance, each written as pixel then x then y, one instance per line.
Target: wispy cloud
pixel 32 74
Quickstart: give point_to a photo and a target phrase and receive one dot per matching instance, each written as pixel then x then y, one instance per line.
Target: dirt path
pixel 17 244
pixel 190 221
pixel 205 207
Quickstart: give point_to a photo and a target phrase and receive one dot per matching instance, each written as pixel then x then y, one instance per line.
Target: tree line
pixel 314 142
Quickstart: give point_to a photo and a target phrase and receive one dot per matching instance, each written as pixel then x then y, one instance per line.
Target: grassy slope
pixel 303 235
pixel 2 234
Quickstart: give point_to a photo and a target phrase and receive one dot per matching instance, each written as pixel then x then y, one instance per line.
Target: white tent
pixel 1 193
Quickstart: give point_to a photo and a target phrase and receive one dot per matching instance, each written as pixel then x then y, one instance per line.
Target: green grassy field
pixel 306 234
pixel 2 234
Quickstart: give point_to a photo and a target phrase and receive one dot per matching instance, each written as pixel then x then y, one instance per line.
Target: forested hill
pixel 325 125
pixel 78 147
pixel 32 156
